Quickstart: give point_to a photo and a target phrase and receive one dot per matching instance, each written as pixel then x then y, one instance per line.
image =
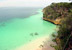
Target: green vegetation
pixel 57 10
pixel 65 29
pixel 62 11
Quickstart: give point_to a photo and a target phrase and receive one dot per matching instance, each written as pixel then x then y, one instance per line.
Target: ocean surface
pixel 19 26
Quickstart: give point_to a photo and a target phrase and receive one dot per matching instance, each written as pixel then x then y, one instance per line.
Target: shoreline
pixel 37 44
pixel 52 21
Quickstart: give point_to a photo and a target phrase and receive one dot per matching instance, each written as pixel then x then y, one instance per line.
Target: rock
pixel 36 33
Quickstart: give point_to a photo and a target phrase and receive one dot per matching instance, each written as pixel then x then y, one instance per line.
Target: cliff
pixel 56 11
pixel 60 14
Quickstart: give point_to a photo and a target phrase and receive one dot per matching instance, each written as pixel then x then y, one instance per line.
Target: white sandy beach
pixel 35 45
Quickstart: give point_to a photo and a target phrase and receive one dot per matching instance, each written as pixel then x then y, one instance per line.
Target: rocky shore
pixel 57 21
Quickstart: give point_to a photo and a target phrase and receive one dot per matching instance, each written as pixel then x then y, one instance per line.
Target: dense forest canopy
pixel 57 10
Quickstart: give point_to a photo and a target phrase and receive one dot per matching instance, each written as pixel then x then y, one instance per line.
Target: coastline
pixel 37 44
pixel 56 22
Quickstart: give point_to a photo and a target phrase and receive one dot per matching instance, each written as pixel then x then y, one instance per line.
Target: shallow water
pixel 18 31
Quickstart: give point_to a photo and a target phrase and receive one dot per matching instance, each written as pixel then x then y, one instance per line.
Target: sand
pixel 35 45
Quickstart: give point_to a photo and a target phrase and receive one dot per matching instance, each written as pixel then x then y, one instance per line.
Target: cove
pixel 16 32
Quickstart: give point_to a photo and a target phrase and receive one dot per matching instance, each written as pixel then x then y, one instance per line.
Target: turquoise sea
pixel 18 26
